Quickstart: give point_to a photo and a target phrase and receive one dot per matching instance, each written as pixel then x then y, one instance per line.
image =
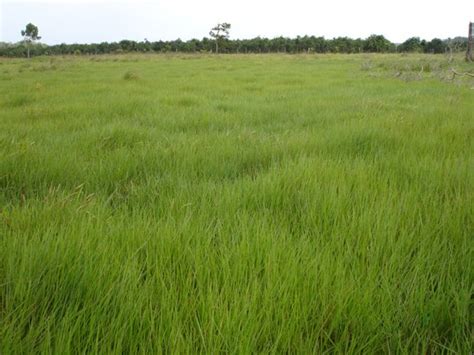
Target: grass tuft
pixel 130 75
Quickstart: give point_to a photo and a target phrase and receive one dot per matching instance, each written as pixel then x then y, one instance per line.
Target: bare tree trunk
pixel 469 43
pixel 217 46
pixel 28 51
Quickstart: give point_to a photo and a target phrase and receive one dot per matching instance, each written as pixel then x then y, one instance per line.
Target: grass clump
pixel 130 75
pixel 416 67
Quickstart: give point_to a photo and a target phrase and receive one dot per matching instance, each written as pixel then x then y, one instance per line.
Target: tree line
pixel 300 44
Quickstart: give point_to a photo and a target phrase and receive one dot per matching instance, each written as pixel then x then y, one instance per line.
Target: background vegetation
pixel 238 204
pixel 305 44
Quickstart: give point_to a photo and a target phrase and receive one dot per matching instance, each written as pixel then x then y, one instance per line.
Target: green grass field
pixel 236 204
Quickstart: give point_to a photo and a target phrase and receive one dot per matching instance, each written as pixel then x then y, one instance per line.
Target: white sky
pixel 75 21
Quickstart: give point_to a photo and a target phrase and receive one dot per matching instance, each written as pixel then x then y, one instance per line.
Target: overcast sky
pixel 75 21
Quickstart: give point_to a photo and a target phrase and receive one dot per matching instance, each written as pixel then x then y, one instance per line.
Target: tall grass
pixel 234 204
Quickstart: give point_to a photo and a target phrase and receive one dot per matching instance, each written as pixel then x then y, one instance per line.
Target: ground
pixel 259 203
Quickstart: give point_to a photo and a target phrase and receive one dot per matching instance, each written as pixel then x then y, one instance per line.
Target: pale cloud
pixel 107 20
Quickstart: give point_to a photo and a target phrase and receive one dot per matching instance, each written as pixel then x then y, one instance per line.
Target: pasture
pixel 236 204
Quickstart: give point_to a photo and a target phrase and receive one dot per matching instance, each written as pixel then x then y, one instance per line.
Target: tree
pixel 219 33
pixel 412 44
pixel 435 46
pixel 30 35
pixel 377 43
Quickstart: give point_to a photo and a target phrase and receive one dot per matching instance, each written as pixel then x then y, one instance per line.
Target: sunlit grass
pixel 235 204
